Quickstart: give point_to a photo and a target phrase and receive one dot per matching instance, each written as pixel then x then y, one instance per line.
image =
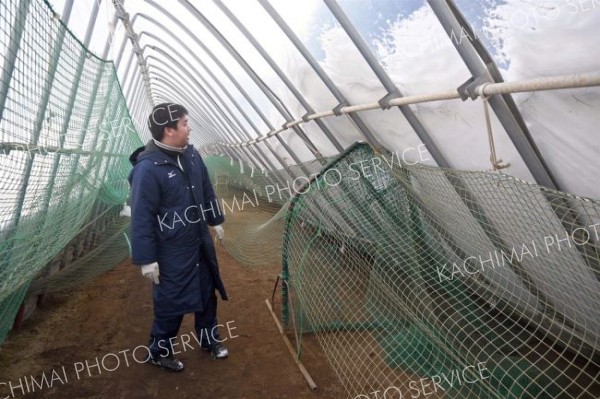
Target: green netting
pixel 65 136
pixel 375 267
pixel 413 272
pixel 253 204
pixel 369 263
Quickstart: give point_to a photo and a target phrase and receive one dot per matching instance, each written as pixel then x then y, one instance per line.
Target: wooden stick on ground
pixel 303 370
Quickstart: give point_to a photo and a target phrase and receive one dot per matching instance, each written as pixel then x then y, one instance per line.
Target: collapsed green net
pixel 418 279
pixel 65 138
pixel 252 202
pixel 412 277
pixel 426 282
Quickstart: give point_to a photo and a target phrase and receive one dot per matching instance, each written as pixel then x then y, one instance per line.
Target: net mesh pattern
pixel 65 138
pixel 417 281
pixel 410 275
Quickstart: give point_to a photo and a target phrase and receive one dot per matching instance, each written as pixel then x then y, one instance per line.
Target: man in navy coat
pixel 172 205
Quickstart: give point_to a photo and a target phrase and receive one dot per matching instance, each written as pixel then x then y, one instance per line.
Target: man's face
pixel 180 135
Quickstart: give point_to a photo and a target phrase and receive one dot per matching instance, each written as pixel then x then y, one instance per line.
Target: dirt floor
pixel 67 339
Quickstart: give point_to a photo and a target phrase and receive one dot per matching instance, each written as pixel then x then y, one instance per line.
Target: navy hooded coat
pixel 171 210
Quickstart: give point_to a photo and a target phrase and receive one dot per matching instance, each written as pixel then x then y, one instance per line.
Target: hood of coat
pixel 143 152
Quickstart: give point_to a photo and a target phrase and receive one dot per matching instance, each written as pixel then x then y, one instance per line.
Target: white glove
pixel 151 271
pixel 220 232
pixel 126 211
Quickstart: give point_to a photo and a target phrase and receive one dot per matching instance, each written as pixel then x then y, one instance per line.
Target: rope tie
pixel 496 163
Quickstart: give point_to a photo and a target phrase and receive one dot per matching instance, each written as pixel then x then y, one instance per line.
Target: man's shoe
pixel 217 351
pixel 169 363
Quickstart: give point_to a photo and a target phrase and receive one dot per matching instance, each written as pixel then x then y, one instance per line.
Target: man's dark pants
pixel 207 332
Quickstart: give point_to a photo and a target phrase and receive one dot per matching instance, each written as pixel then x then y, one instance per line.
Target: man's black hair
pixel 165 115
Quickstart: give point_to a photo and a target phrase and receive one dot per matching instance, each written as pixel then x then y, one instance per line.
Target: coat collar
pixel 158 155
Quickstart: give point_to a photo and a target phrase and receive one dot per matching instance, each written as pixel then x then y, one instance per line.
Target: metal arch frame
pixel 259 83
pixel 242 91
pixel 168 91
pixel 205 68
pixel 265 91
pixel 483 68
pixel 237 85
pixel 206 83
pixel 288 83
pixel 234 102
pixel 386 81
pixel 361 126
pixel 333 6
pixel 472 204
pixel 239 124
pixel 191 34
pixel 219 114
pixel 208 103
pixel 124 17
pixel 200 104
pixel 223 69
pixel 386 96
pixel 201 85
pixel 440 3
pixel 253 75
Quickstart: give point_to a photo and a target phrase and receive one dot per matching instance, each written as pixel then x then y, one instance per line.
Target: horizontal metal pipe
pixel 485 90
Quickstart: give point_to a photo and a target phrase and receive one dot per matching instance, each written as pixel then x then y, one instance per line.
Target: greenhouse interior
pixel 403 199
